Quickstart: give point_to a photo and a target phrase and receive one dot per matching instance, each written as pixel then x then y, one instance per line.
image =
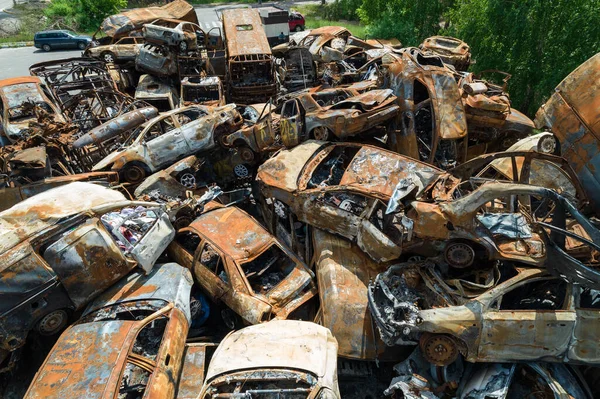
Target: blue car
pixel 60 39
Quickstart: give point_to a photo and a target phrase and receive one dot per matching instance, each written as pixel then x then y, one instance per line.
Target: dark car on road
pixel 60 39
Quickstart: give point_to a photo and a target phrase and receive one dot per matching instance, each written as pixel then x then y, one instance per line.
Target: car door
pixel 584 344
pixel 209 271
pixel 197 129
pixel 335 210
pixel 291 123
pixel 169 146
pixel 374 234
pixel 530 320
pixel 213 40
pixel 86 260
pixel 126 48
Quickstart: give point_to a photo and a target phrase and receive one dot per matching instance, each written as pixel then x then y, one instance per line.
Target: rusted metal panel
pixel 304 351
pixel 343 274
pixel 571 114
pixel 195 363
pixel 244 33
pixel 451 50
pixel 120 24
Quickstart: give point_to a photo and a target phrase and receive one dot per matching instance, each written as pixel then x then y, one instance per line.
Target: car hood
pixel 108 161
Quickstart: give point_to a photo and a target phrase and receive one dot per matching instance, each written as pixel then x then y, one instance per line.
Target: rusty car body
pixel 571 115
pixel 335 114
pixel 179 34
pixel 390 204
pixel 451 50
pixel 295 68
pixel 157 92
pixel 157 61
pixel 130 342
pixel 169 137
pixel 123 50
pixel 63 247
pixel 250 65
pixel 258 134
pixel 431 125
pixel 303 366
pixel 14 116
pixel 206 90
pixel 12 195
pixel 332 43
pixel 343 275
pixel 531 316
pixel 246 268
pixel 121 24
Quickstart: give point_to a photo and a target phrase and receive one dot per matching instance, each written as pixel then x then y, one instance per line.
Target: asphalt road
pixel 16 61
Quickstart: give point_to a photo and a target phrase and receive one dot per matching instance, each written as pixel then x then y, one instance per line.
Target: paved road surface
pixel 16 61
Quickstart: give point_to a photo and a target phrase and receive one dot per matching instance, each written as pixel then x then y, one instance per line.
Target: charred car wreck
pixel 190 213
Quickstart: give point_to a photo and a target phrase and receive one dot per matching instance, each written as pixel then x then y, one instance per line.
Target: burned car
pixel 124 49
pixel 129 342
pixel 451 50
pixel 65 246
pixel 531 316
pixel 157 92
pixel 335 114
pixel 258 134
pixel 170 137
pixel 244 267
pixel 15 115
pixel 180 34
pixel 431 125
pixel 384 202
pixel 202 90
pixel 302 364
pixel 158 61
pixel 571 115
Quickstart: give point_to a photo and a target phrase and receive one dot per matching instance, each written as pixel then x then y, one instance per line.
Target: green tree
pixel 539 42
pixel 84 15
pixel 409 21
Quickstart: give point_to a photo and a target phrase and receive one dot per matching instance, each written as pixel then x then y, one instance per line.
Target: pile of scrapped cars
pixel 190 214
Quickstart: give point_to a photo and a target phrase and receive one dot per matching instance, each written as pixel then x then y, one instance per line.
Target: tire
pixel 133 173
pixel 183 46
pixel 81 46
pixel 230 319
pixel 46 47
pixel 246 154
pixel 320 133
pixel 459 254
pixel 52 323
pixel 299 28
pixel 548 145
pixel 108 57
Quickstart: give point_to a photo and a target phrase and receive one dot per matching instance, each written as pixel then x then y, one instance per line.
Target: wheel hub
pixel 241 170
pixel 321 133
pixel 460 255
pixel 188 180
pixel 52 322
pixel 440 350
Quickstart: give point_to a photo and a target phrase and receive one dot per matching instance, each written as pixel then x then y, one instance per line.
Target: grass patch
pixel 313 19
pixel 196 2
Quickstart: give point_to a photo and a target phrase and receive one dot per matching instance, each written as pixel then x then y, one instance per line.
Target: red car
pixel 296 21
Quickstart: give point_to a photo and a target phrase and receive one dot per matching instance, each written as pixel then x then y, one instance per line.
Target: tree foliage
pixel 539 42
pixel 86 15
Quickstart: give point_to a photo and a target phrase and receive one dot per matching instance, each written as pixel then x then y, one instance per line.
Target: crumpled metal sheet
pixel 511 225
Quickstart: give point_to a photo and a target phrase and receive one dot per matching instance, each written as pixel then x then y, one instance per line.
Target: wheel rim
pixel 247 155
pixel 460 255
pixel 439 350
pixel 46 47
pixel 548 145
pixel 183 46
pixel 321 133
pixel 134 174
pixel 241 170
pixel 188 180
pixel 81 46
pixel 108 58
pixel 52 322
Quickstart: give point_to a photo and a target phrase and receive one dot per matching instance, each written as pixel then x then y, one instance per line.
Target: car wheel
pixel 81 46
pixel 439 349
pixel 547 145
pixel 299 28
pixel 108 57
pixel 459 255
pixel 188 180
pixel 46 47
pixel 53 322
pixel 133 173
pixel 246 154
pixel 183 46
pixel 320 133
pixel 241 170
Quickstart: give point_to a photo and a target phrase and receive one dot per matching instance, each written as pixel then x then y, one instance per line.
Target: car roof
pixel 233 231
pixel 20 80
